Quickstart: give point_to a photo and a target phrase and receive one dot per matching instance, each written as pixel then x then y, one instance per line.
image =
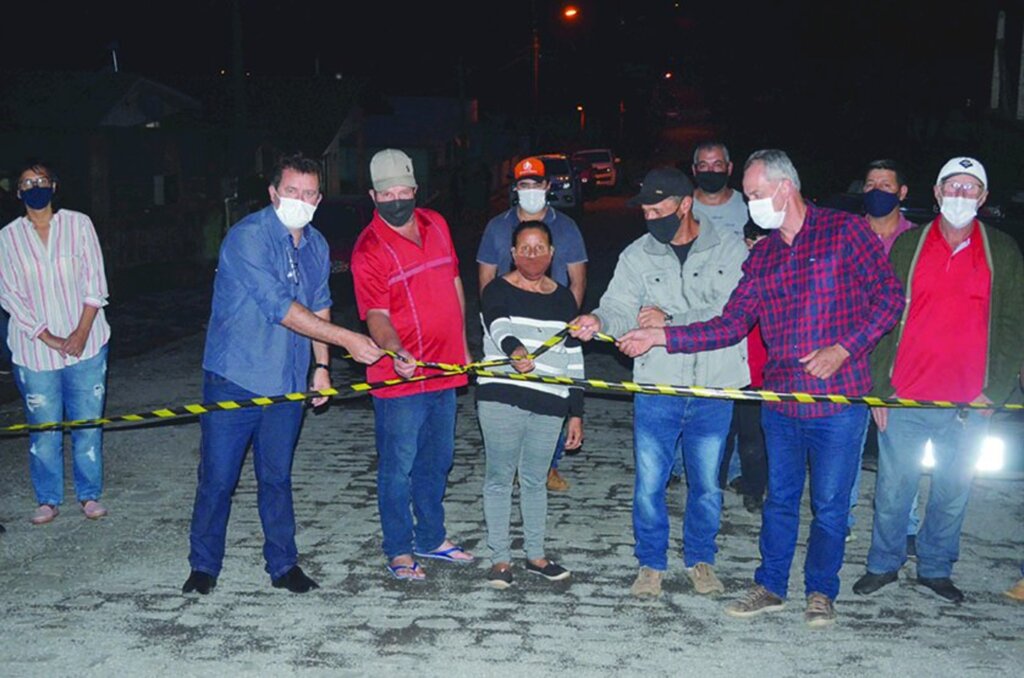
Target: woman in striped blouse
pixel 53 285
pixel 521 420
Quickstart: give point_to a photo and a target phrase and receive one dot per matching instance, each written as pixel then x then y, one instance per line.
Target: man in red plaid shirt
pixel 824 294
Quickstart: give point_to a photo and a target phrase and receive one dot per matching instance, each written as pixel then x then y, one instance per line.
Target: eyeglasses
pixel 969 189
pixel 535 251
pixel 29 184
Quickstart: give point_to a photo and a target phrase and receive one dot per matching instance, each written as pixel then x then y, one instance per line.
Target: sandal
pixel 44 514
pixel 408 572
pixel 452 554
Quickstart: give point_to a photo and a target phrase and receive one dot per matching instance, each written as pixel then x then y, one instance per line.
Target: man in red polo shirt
pixel 959 340
pixel 409 293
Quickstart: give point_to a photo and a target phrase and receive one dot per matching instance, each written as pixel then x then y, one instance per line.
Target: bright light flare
pixel 993 454
pixel 928 461
pixel 991 457
pixel 571 12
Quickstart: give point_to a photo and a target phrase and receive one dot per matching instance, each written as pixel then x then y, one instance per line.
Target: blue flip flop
pixel 405 572
pixel 446 554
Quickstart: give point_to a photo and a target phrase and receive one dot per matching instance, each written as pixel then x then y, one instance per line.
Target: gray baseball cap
pixel 389 168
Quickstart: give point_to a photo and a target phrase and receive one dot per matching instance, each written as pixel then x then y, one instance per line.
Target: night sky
pixel 770 72
pixel 420 43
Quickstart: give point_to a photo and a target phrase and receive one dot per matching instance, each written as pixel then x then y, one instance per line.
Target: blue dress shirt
pixel 260 273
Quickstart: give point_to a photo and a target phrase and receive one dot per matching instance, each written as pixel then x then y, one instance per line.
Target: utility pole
pixel 113 54
pixel 237 66
pixel 998 100
pixel 1020 83
pixel 535 48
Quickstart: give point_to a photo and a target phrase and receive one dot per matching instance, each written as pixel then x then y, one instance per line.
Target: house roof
pixel 409 122
pixel 76 100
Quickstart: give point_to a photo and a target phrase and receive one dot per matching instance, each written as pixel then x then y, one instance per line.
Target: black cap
pixel 661 183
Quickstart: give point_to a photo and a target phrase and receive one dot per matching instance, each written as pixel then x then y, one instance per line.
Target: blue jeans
pixel 415 447
pixel 79 392
pixel 559 449
pixel 831 447
pixel 659 421
pixel 913 521
pixel 226 435
pixel 957 442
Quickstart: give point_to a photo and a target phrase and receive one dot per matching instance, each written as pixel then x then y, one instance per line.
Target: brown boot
pixel 556 483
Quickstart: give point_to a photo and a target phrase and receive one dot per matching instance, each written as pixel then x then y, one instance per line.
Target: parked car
pixel 587 178
pixel 341 219
pixel 603 162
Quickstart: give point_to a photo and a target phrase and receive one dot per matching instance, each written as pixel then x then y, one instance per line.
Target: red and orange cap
pixel 530 168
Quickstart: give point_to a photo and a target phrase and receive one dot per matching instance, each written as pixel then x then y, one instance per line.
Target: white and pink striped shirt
pixel 44 287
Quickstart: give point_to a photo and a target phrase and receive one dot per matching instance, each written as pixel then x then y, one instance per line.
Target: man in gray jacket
pixel 680 272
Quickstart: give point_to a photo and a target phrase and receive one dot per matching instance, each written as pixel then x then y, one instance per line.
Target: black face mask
pixel 397 212
pixel 664 228
pixel 712 182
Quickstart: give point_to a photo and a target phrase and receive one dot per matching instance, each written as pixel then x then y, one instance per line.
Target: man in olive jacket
pixel 680 272
pixel 960 339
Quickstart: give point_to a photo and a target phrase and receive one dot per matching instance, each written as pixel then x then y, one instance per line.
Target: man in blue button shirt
pixel 271 304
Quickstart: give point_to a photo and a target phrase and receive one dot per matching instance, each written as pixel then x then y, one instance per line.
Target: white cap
pixel 963 165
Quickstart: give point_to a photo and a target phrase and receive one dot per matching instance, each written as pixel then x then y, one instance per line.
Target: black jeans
pixel 746 434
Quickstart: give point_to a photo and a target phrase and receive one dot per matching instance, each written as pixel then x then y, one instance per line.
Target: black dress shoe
pixel 871 582
pixel 944 587
pixel 199 582
pixel 295 580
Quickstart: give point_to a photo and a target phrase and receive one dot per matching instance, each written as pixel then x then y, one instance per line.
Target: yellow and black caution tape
pixel 346 391
pixel 479 369
pixel 741 394
pixel 554 340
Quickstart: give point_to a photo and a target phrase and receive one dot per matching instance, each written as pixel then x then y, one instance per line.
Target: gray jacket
pixel 648 274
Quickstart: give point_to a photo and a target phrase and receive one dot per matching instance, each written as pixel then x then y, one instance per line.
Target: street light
pixel 569 13
pixel 583 117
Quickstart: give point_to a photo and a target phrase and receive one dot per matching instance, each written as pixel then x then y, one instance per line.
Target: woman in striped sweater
pixel 53 284
pixel 521 420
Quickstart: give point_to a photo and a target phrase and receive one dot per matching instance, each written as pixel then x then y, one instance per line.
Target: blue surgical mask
pixel 37 198
pixel 878 203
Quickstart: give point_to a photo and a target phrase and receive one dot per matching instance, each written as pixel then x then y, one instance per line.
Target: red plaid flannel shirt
pixel 832 285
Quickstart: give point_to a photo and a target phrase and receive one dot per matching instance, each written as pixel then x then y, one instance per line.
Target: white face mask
pixel 763 212
pixel 532 200
pixel 959 212
pixel 293 213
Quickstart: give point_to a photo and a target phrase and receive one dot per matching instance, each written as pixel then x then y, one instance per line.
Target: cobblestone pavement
pixel 103 598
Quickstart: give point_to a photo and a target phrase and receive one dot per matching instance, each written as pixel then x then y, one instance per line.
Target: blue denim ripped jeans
pixel 74 392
